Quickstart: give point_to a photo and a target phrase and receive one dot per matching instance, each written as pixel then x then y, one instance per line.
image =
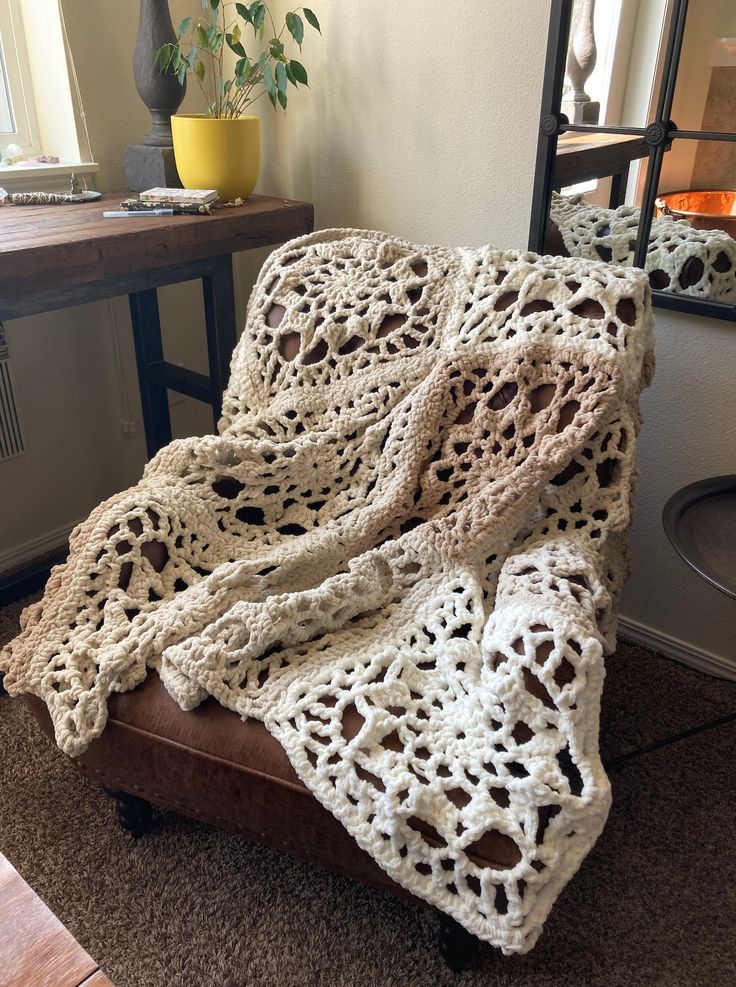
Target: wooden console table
pixel 582 157
pixel 35 948
pixel 52 257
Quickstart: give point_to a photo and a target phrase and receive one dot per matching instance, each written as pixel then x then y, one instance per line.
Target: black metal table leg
pixel 219 309
pixel 149 351
pixel 618 188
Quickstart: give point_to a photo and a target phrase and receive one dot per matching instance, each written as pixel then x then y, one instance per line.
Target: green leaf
pixel 258 14
pixel 312 19
pixel 289 74
pixel 200 70
pixel 282 99
pixel 204 41
pixel 268 81
pixel 276 47
pixel 214 4
pixel 242 70
pixel 215 39
pixel 299 72
pixel 235 46
pixel 162 59
pixel 244 12
pixel 282 80
pixel 182 73
pixel 184 26
pixel 295 26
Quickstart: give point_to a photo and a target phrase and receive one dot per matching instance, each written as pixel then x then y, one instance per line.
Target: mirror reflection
pixel 697 222
pixel 705 93
pixel 612 61
pixel 594 212
pixel 615 66
pixel 697 184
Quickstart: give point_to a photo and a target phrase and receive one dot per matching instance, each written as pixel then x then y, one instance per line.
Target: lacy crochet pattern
pixel 401 553
pixel 680 258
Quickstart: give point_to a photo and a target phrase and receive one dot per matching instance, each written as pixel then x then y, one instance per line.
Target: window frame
pixel 19 81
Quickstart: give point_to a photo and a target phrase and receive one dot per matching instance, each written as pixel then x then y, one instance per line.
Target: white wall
pixel 688 434
pixel 421 120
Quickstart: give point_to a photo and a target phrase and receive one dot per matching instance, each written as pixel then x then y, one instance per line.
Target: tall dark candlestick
pixel 161 92
pixel 151 163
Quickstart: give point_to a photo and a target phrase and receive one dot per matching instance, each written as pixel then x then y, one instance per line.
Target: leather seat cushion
pixel 211 765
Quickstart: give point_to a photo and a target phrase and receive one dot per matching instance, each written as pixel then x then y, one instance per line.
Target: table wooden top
pixel 47 247
pixel 35 948
pixel 581 157
pixel 577 141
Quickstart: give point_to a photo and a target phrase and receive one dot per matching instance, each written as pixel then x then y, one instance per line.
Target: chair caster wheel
pixel 457 946
pixel 135 815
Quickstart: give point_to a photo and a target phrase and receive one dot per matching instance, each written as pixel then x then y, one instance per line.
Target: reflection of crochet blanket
pixel 401 553
pixel 680 258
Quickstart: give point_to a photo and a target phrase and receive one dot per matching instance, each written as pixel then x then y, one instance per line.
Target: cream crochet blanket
pixel 680 258
pixel 401 553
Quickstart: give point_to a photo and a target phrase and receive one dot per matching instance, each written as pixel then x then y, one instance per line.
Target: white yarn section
pixel 681 259
pixel 401 553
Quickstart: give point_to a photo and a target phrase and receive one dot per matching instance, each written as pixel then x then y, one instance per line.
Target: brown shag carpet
pixel 187 906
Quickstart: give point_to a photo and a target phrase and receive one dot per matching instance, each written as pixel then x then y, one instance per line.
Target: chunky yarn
pixel 401 553
pixel 680 258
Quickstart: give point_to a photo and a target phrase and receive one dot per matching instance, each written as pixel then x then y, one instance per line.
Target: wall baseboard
pixel 35 548
pixel 672 647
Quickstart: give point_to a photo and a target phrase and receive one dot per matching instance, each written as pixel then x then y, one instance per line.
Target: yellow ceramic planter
pixel 221 154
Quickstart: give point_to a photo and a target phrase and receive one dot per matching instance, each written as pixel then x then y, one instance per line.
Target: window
pixel 40 103
pixel 7 122
pixel 17 112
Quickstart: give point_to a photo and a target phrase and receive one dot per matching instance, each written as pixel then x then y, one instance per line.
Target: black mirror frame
pixel 658 135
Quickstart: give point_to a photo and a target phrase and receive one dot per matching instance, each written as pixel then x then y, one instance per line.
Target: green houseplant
pixel 237 54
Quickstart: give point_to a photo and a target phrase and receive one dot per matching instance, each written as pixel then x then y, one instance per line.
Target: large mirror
pixel 636 160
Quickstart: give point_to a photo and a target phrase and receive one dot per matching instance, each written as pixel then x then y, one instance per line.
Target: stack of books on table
pixel 181 200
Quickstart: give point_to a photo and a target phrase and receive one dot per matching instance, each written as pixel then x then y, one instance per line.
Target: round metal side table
pixel 700 521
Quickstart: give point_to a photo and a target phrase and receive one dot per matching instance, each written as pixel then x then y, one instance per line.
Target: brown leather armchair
pixel 212 766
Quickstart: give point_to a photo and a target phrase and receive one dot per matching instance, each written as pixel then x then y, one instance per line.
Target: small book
pixel 178 208
pixel 182 196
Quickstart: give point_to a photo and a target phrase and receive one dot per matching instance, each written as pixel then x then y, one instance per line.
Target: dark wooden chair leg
pixel 135 815
pixel 457 946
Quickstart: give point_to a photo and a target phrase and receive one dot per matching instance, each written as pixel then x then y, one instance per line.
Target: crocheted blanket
pixel 401 553
pixel 680 258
